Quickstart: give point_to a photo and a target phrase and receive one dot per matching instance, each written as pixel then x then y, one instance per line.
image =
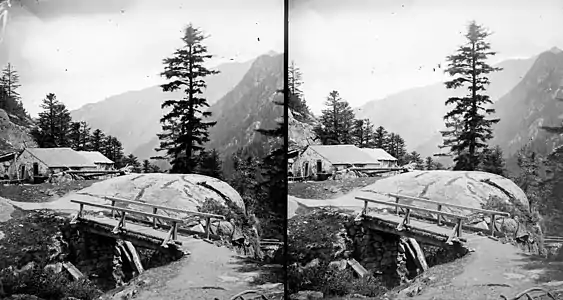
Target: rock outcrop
pixel 13 136
pixel 300 134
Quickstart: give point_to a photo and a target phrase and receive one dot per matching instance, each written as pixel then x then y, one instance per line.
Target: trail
pixel 492 269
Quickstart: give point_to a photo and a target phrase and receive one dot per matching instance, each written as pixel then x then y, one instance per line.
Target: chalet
pixel 321 160
pixel 101 162
pixel 41 162
pixel 385 159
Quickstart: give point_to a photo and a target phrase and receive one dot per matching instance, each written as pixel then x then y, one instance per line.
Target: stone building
pixel 322 160
pixel 385 159
pixel 42 162
pixel 100 160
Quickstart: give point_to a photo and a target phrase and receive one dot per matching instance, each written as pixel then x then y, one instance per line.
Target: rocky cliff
pixel 13 136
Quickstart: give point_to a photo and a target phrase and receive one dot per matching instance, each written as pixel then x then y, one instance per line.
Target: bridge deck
pixel 159 234
pixel 432 228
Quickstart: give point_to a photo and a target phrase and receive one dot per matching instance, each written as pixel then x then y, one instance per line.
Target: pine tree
pixel 469 69
pixel 379 138
pixel 53 125
pixel 210 164
pixel 184 127
pixel 79 136
pixel 10 99
pixel 529 179
pixel 336 121
pixel 492 161
pixel 113 149
pixel 451 136
pixel 146 166
pixel 430 165
pixel 132 161
pixel 360 133
pixel 97 140
pixel 296 99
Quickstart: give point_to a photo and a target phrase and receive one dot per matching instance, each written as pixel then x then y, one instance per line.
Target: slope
pixel 530 105
pixel 249 106
pixel 133 117
pixel 424 106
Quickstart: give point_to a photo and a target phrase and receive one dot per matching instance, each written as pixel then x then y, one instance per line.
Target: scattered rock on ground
pixel 306 295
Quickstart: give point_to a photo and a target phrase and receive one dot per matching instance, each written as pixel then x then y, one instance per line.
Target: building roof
pixel 378 153
pixel 96 157
pixel 60 157
pixel 343 154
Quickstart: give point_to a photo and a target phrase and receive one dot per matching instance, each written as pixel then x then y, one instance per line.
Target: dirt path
pixel 210 272
pixel 491 270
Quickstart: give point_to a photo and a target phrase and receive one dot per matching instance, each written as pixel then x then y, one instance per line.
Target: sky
pixel 367 50
pixel 85 51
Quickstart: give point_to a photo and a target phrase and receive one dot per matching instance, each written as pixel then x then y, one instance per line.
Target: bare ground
pixel 328 189
pixel 44 192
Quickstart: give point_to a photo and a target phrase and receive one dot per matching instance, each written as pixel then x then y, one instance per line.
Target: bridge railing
pixel 172 234
pixel 456 233
pixel 156 208
pixel 439 205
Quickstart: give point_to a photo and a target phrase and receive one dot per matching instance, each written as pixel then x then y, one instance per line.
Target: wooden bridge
pixel 432 230
pixel 147 234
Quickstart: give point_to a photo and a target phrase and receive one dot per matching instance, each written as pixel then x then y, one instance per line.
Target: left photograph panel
pixel 142 149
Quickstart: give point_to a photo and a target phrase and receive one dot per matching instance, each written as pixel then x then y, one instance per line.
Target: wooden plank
pixel 357 267
pixel 405 206
pixel 74 272
pixel 484 211
pixel 132 211
pixel 165 207
pixel 419 257
pixel 136 260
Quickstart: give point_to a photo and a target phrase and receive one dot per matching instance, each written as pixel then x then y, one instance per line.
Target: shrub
pixel 46 284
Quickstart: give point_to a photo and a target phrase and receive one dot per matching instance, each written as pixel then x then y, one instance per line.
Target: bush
pixel 332 281
pixel 46 284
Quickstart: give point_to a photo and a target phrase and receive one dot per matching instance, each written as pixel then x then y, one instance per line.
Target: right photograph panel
pixel 425 157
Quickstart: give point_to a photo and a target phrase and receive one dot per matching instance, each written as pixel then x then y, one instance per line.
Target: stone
pixel 339 264
pixel 481 225
pixel 315 262
pixel 307 295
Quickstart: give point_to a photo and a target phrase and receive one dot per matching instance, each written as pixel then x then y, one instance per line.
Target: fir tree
pixel 430 165
pixel 336 121
pixel 53 125
pixel 492 161
pixel 379 137
pixel 97 140
pixel 133 161
pixel 10 99
pixel 296 99
pixel 184 127
pixel 146 166
pixel 469 69
pixel 79 136
pixel 529 179
pixel 210 164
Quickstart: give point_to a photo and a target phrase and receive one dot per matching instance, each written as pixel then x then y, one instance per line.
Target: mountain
pixel 417 114
pixel 247 107
pixel 531 104
pixel 134 117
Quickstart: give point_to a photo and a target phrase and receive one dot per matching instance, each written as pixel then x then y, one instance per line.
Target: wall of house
pixel 27 159
pixel 105 167
pixel 310 157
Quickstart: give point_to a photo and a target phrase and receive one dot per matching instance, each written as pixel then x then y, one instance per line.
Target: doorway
pixel 35 169
pixel 306 171
pixel 319 166
pixel 22 175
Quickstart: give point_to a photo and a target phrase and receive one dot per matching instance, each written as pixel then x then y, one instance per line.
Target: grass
pixel 328 189
pixel 43 192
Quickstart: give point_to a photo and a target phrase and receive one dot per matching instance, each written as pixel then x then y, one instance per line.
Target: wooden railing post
pixel 207 227
pixel 408 216
pixel 493 217
pixel 396 207
pixel 175 232
pixel 81 208
pixel 154 218
pixel 113 210
pixel 438 216
pixel 459 227
pixel 365 211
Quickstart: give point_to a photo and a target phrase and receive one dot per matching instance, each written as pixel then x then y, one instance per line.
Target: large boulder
pixel 183 191
pixel 467 188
